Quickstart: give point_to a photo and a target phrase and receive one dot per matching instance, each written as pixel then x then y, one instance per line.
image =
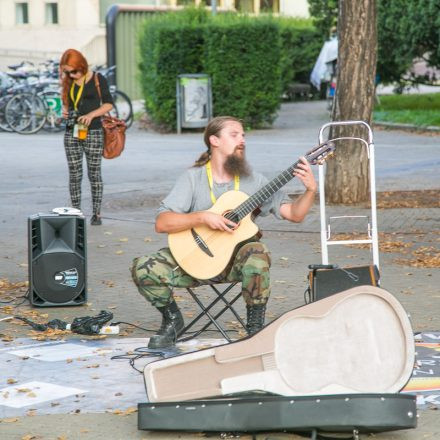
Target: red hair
pixel 75 59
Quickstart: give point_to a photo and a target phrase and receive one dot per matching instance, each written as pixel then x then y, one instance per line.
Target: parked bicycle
pixel 123 107
pixel 30 98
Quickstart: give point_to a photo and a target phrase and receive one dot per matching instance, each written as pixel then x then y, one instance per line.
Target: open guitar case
pixel 335 365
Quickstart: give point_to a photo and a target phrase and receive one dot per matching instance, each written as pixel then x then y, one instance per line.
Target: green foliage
pixel 412 34
pixel 325 15
pixel 251 61
pixel 170 44
pixel 242 56
pixel 394 53
pixel 407 30
pixel 301 44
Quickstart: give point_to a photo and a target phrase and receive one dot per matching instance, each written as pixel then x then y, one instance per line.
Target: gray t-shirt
pixel 191 193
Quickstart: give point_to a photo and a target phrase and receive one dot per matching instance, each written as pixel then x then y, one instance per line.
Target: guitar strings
pixel 261 195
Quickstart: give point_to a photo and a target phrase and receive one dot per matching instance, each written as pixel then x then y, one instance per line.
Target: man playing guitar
pixel 188 211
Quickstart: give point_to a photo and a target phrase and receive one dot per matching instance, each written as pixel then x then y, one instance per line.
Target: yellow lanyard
pixel 209 174
pixel 78 95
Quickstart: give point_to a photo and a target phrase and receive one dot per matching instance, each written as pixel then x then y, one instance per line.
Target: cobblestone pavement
pixel 33 179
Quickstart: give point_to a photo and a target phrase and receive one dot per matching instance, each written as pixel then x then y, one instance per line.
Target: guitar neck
pixel 264 193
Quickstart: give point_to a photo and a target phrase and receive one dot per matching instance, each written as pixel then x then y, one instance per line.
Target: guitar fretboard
pixel 262 194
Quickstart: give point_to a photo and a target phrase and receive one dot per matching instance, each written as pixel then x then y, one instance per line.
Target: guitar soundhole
pixel 231 215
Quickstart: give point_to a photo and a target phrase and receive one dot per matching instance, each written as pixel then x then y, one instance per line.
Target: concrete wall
pixel 296 8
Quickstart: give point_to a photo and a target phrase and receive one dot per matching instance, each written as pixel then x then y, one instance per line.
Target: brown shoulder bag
pixel 114 131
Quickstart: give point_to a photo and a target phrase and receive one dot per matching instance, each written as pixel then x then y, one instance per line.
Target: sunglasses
pixel 70 72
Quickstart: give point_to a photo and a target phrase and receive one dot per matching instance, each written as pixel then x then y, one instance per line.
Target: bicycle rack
pixel 372 227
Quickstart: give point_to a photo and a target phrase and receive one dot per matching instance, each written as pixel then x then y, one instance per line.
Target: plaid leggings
pixel 92 147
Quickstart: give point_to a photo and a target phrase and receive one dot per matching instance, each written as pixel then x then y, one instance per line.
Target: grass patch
pixel 421 110
pixel 420 118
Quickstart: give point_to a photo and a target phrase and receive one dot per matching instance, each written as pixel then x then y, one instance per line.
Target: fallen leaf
pixel 126 412
pixel 10 381
pixel 120 252
pixel 123 240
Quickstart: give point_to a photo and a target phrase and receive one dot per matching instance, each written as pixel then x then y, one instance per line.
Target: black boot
pixel 172 324
pixel 255 318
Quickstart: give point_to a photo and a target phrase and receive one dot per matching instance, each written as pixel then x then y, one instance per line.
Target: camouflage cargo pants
pixel 156 275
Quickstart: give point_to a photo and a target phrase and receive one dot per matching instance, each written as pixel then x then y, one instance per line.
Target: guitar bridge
pixel 200 243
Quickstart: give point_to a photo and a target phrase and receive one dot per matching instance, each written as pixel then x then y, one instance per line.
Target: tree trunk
pixel 347 179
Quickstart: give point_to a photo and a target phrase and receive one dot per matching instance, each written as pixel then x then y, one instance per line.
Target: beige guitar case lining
pixel 356 341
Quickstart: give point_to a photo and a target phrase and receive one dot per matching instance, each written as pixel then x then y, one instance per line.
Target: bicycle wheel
pixel 122 107
pixel 26 113
pixel 54 119
pixel 3 123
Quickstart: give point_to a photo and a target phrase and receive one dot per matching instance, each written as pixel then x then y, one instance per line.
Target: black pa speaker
pixel 326 280
pixel 57 260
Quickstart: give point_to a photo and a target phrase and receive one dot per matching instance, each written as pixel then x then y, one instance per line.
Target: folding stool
pixel 220 295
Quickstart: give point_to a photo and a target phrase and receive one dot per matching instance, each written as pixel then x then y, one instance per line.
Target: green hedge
pixel 250 60
pixel 301 44
pixel 170 44
pixel 242 57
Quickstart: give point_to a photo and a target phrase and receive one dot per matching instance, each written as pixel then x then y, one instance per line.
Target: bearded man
pixel 223 167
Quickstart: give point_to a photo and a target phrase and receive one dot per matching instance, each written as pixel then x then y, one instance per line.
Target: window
pixel 51 13
pixel 21 13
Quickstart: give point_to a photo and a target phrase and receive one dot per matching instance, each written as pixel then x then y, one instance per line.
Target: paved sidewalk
pixel 33 179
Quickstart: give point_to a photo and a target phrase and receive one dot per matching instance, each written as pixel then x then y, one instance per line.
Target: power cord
pixel 86 325
pixel 139 353
pixel 25 296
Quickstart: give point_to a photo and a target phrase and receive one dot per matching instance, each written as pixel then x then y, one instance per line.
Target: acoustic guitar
pixel 203 252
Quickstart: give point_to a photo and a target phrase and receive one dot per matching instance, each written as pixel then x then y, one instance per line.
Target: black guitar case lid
pixel 333 413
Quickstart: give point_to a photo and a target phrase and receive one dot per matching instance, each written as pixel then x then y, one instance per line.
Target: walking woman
pixel 83 108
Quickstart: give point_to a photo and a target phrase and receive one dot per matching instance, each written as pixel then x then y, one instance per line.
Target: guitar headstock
pixel 321 153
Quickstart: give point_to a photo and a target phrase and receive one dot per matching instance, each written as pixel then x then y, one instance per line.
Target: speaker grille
pixel 57 260
pixel 35 234
pixel 58 277
pixel 80 236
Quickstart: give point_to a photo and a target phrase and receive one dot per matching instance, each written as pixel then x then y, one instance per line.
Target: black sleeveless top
pixel 89 100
